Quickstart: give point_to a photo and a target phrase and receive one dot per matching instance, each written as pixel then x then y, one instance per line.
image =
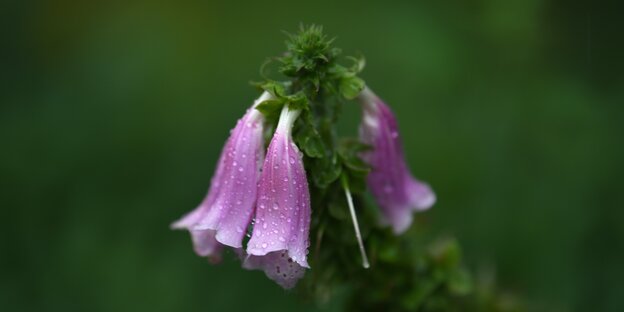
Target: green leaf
pixel 307 136
pixel 326 170
pixel 309 141
pixel 359 63
pixel 276 88
pixel 313 146
pixel 351 86
pixel 349 150
pixel 297 101
pixel 271 109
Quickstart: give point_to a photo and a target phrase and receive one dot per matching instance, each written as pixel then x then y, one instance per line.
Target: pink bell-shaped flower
pixel 224 215
pixel 279 239
pixel 396 191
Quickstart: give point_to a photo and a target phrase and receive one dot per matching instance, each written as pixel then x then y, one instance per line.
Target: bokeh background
pixel 113 114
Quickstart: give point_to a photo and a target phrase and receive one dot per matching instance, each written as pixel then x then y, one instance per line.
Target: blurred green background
pixel 113 114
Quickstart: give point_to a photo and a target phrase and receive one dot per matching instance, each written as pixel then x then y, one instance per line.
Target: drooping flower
pixel 396 191
pixel 224 215
pixel 279 239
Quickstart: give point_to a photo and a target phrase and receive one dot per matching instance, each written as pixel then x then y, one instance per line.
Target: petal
pixel 421 196
pixel 283 210
pixel 205 244
pixel 278 267
pixel 229 213
pixel 228 207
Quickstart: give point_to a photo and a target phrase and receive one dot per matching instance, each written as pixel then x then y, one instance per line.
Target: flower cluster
pixel 265 197
pixel 276 197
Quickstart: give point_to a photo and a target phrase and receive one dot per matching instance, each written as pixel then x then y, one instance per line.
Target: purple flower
pixel 279 240
pixel 396 191
pixel 224 215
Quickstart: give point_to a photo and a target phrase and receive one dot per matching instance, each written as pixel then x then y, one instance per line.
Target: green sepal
pixel 351 86
pixel 271 109
pixel 276 88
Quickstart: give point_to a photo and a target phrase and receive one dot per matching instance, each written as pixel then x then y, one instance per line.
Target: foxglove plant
pixel 309 192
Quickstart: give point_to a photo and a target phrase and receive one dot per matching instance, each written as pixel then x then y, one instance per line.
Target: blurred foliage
pixel 113 114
